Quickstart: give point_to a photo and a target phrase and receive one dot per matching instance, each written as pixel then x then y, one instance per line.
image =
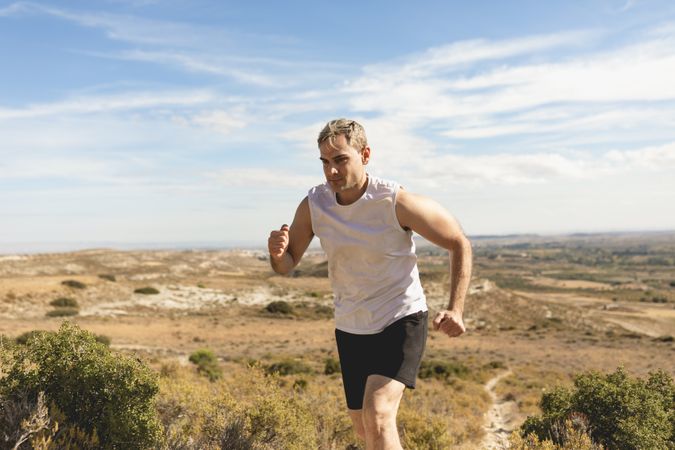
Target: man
pixel 365 226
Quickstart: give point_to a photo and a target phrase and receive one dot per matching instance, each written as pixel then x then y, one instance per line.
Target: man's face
pixel 343 165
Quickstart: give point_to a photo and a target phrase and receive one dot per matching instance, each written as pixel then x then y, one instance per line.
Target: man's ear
pixel 365 155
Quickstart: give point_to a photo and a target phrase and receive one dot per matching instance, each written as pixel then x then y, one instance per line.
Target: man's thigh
pixel 394 354
pixel 383 395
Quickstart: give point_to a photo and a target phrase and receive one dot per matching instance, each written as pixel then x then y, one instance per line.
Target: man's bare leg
pixel 380 406
pixel 357 420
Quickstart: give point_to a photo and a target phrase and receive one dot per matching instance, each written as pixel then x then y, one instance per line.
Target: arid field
pixel 539 311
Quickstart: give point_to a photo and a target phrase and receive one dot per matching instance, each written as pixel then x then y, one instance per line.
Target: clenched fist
pixel 450 323
pixel 278 242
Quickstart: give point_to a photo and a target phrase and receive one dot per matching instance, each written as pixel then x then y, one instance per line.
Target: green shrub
pixel 98 392
pixel 279 307
pixel 288 367
pixel 574 436
pixel 106 276
pixel 74 284
pixel 207 364
pixel 420 432
pixel 103 339
pixel 64 301
pixel 276 421
pixel 442 370
pixel 23 338
pixel 63 312
pixel 332 366
pixel 495 365
pixel 622 412
pixel 300 384
pixel 146 291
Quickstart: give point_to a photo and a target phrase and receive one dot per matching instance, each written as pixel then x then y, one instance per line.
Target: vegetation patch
pixel 107 276
pixel 442 370
pixel 74 284
pixel 148 290
pixel 103 339
pixel 99 399
pixel 23 338
pixel 331 366
pixel 63 312
pixel 279 307
pixel 288 367
pixel 619 411
pixel 64 302
pixel 207 364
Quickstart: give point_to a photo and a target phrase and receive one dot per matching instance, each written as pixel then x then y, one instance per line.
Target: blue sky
pixel 141 121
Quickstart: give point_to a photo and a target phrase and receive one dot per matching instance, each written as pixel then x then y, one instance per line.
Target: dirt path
pixel 498 419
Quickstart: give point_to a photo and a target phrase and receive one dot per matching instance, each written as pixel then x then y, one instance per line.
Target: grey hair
pixel 350 129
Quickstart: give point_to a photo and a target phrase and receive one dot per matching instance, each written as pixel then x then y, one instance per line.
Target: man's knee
pixel 377 417
pixel 380 404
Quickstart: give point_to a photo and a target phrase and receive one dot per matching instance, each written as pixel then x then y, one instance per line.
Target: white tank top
pixel 372 264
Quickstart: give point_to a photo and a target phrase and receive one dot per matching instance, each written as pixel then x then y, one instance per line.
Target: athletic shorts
pixel 395 352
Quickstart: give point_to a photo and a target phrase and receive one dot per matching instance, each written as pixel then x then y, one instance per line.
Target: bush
pixel 250 411
pixel 63 312
pixel 96 391
pixel 105 276
pixel 146 291
pixel 23 338
pixel 64 301
pixel 332 366
pixel 74 284
pixel 573 435
pixel 279 307
pixel 622 412
pixel 207 364
pixel 419 432
pixel 442 370
pixel 103 339
pixel 288 367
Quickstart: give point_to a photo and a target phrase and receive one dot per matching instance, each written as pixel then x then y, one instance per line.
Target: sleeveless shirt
pixel 372 264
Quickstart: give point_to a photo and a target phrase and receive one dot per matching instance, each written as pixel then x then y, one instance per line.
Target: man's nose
pixel 333 170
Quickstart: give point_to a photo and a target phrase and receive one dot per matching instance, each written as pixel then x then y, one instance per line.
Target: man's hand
pixel 450 323
pixel 278 242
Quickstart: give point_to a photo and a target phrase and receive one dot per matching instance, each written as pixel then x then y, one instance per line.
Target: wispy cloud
pixel 264 179
pixel 109 104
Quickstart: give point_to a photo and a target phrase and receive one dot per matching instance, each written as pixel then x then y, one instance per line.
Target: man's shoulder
pixel 383 185
pixel 318 190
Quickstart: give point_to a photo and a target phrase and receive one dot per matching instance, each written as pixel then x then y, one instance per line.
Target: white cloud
pixel 220 121
pixel 657 158
pixel 258 178
pixel 109 103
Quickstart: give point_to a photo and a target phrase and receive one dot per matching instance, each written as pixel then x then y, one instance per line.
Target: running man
pixel 365 226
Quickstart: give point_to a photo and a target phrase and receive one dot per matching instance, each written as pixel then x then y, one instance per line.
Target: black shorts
pixel 395 352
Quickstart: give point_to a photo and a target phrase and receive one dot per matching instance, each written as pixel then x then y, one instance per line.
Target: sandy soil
pixel 500 418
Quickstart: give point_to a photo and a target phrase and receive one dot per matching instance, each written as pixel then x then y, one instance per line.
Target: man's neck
pixel 349 196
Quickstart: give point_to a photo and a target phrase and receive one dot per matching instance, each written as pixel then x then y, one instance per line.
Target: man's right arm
pixel 288 244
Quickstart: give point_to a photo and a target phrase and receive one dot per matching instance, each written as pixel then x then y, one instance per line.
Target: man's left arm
pixel 431 221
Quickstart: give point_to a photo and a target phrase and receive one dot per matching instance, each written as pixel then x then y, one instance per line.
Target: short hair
pixel 350 129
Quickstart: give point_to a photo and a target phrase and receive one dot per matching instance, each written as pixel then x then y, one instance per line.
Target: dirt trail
pixel 498 421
